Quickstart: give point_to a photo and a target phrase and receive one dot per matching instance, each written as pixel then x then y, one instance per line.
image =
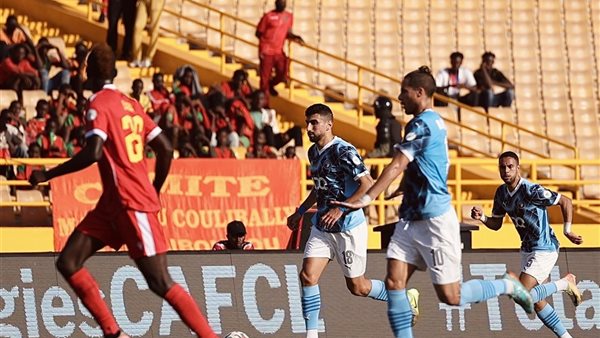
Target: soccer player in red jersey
pixel 127 212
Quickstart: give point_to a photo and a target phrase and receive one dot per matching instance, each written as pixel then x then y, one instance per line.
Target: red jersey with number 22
pixel 125 128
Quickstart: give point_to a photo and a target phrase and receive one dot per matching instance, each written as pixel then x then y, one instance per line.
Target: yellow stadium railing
pixel 361 86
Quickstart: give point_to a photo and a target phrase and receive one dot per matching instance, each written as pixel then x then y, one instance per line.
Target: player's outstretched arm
pixel 388 175
pixel 293 221
pixel 566 207
pixel 164 155
pixel 90 154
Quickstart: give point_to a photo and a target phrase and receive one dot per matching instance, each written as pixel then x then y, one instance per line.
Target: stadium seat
pixel 2 186
pixel 6 97
pixel 32 215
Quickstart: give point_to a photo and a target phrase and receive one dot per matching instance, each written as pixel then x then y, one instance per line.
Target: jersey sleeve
pixel 416 136
pixel 353 164
pixel 497 209
pixel 96 120
pixel 542 197
pixel 262 24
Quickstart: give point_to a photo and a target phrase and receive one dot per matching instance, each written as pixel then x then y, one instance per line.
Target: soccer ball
pixel 236 334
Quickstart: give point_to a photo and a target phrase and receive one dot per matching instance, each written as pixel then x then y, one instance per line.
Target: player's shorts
pixel 433 243
pixel 538 264
pixel 348 247
pixel 140 231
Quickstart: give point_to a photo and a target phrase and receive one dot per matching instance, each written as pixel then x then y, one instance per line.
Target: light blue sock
pixel 551 320
pixel 477 290
pixel 378 290
pixel 311 305
pixel 542 291
pixel 400 313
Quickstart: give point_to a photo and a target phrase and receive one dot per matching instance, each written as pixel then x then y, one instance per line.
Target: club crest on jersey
pixel 410 136
pixel 547 194
pixel 91 115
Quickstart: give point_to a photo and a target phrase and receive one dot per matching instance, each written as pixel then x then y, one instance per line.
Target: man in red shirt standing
pixel 127 212
pixel 272 30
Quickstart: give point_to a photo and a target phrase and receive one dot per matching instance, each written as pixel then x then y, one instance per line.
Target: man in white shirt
pixel 450 81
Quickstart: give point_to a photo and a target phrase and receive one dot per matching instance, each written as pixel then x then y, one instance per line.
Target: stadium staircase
pixel 217 37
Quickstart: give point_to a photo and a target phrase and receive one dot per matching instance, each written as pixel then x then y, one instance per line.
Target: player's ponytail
pixel 421 78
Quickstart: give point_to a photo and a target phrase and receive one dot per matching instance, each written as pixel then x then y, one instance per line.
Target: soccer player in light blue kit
pixel 428 233
pixel 526 203
pixel 339 174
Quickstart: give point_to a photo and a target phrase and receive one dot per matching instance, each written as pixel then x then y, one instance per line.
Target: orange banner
pixel 199 198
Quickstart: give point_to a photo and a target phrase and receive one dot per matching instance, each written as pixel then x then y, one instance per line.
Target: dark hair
pixel 101 62
pixel 457 55
pixel 137 81
pixel 156 75
pixel 421 78
pixel 40 102
pixel 510 154
pixel 236 228
pixel 487 54
pixel 321 109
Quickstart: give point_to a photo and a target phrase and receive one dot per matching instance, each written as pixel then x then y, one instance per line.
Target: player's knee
pixel 159 285
pixel 450 299
pixel 394 284
pixel 539 306
pixel 66 266
pixel 308 279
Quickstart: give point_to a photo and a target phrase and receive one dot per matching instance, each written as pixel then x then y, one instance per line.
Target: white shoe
pixel 572 289
pixel 413 299
pixel 146 63
pixel 134 64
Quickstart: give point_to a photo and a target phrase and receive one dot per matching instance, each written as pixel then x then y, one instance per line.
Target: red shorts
pixel 140 231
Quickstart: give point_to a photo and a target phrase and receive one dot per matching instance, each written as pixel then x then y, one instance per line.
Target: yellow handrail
pixel 361 87
pixel 457 184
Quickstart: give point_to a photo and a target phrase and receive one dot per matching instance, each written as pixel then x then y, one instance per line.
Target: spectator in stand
pixel 260 148
pixel 240 122
pixel 12 33
pixel 186 81
pixel 222 150
pixel 53 145
pixel 266 119
pixel 137 92
pixel 236 238
pixel 24 171
pixel 146 17
pixel 238 87
pixel 17 73
pixel 487 77
pixel 272 31
pixel 290 153
pixel 450 81
pixel 51 55
pixel 125 10
pixel 77 70
pixel 16 118
pixel 37 124
pixel 76 141
pixel 218 113
pixel 160 98
pixel 9 137
pixel 388 129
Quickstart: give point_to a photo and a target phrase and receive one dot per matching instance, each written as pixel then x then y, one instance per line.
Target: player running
pixel 428 233
pixel 526 203
pixel 339 174
pixel 127 212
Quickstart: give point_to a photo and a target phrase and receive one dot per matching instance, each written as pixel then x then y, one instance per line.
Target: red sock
pixel 189 312
pixel 87 289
